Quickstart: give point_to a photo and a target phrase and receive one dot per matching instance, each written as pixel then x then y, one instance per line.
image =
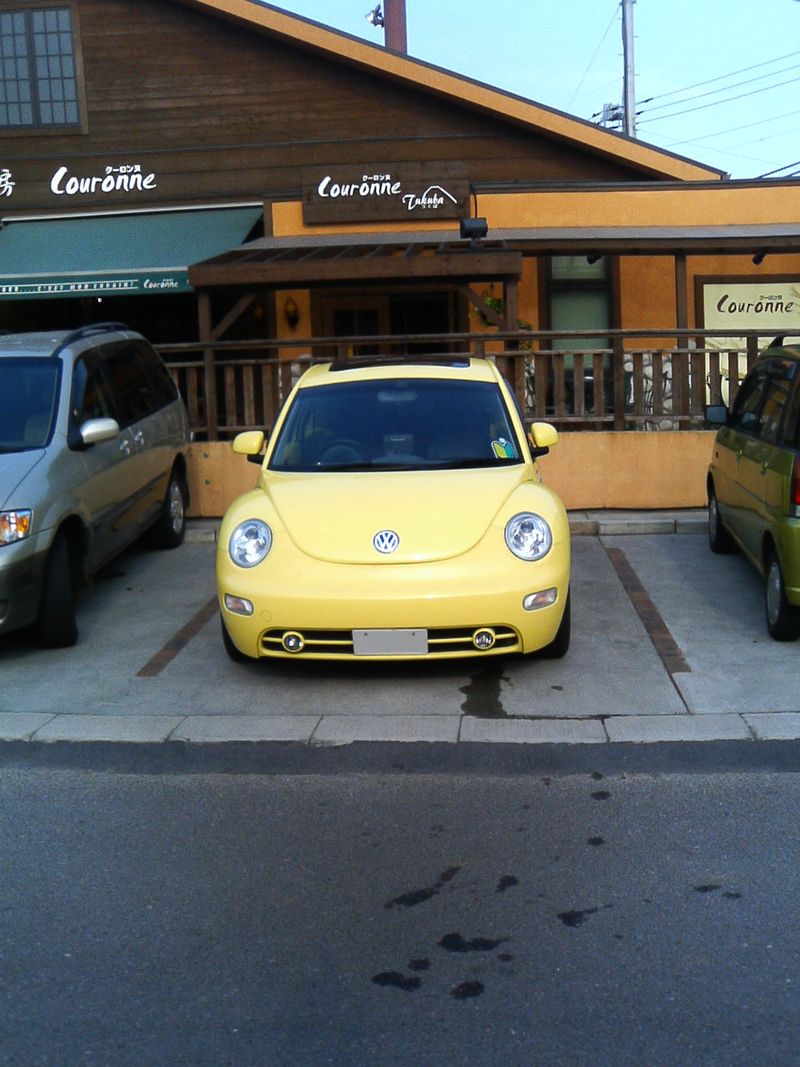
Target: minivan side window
pixel 131 385
pixel 745 416
pixel 165 389
pixel 772 411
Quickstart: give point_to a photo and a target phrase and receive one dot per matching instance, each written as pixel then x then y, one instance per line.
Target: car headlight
pixel 250 542
pixel 528 536
pixel 14 526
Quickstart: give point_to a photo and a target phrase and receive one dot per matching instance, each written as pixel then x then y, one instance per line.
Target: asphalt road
pixel 578 920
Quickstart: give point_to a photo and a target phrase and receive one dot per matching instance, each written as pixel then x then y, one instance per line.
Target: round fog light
pixel 483 639
pixel 293 642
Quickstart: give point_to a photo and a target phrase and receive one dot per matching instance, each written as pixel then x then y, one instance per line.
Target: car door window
pixel 163 386
pixel 135 399
pixel 91 395
pixel 745 414
pixel 776 395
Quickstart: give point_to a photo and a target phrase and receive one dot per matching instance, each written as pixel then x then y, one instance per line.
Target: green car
pixel 753 481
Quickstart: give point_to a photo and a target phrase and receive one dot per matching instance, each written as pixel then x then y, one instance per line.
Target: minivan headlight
pixel 528 536
pixel 14 525
pixel 250 543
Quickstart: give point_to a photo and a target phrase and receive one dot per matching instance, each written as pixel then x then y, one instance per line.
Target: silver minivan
pixel 93 445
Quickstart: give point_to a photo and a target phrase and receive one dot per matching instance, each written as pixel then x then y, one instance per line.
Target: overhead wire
pixel 594 57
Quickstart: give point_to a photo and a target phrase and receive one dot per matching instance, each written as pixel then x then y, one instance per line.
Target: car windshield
pixel 396 424
pixel 28 391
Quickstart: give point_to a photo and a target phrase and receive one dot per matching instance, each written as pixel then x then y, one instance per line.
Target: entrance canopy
pixel 122 255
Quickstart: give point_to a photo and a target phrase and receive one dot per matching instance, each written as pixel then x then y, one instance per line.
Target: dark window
pixel 38 72
pixel 135 399
pixel 745 414
pixel 91 396
pixel 772 412
pixel 28 402
pixel 164 388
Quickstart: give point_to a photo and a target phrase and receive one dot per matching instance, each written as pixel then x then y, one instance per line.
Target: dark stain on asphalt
pixel 601 794
pixel 573 919
pixel 710 888
pixel 483 692
pixel 506 882
pixel 419 896
pixel 597 841
pixel 467 990
pixel 395 980
pixel 732 896
pixel 456 943
pixel 419 965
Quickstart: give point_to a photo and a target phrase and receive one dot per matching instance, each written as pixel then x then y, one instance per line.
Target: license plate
pixel 390 642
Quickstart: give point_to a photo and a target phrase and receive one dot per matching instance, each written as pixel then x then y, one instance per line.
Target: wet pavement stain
pixel 483 692
pixel 711 888
pixel 467 990
pixel 506 882
pixel 601 794
pixel 456 943
pixel 596 841
pixel 419 896
pixel 419 965
pixel 573 919
pixel 395 980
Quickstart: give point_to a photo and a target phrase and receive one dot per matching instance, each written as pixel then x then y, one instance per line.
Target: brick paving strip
pixel 657 630
pixel 176 644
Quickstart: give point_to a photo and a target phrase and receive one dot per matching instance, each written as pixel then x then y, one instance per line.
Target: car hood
pixel 14 469
pixel 435 514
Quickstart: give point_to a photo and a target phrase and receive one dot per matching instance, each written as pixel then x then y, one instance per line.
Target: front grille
pixel 450 641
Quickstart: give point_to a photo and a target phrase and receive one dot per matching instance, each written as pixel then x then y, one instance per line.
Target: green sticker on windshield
pixel 504 449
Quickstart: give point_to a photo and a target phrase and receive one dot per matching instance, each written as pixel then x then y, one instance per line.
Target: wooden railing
pixel 620 380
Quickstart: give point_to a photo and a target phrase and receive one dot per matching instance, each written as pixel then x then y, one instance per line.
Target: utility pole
pixel 628 82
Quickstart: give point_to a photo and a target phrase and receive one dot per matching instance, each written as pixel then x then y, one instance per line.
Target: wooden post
pixel 210 377
pixel 618 363
pixel 680 382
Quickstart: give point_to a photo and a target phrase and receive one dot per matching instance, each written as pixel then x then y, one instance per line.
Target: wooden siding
pixel 216 111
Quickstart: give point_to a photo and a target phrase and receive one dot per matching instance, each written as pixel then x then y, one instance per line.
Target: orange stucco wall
pixel 587 470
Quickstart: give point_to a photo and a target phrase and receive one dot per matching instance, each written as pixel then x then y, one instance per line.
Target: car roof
pixel 466 368
pixel 50 343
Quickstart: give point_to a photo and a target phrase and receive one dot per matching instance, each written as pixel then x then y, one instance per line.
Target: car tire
pixel 170 527
pixel 230 647
pixel 559 646
pixel 783 618
pixel 55 624
pixel 718 537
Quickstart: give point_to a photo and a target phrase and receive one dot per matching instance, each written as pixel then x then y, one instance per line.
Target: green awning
pixel 119 255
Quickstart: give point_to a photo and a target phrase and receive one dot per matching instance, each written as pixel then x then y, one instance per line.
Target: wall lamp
pixel 758 258
pixel 472 230
pixel 292 312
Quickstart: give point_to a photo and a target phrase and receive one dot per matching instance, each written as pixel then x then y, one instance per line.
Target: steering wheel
pixel 341 452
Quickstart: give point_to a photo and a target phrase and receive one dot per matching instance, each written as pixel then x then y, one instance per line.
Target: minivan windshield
pixel 28 391
pixel 396 424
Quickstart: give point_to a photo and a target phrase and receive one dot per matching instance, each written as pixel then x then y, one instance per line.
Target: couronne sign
pixel 385 193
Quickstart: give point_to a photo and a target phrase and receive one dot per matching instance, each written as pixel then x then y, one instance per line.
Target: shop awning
pixel 123 255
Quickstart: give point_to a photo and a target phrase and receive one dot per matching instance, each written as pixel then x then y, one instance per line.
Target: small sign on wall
pixel 376 193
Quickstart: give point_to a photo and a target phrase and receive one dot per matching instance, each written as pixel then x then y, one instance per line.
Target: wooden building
pixel 219 169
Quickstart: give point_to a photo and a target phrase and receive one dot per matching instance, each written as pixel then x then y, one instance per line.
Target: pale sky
pixel 724 77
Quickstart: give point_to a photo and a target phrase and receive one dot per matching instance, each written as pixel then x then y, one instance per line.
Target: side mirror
pixel 541 438
pixel 250 444
pixel 717 414
pixel 96 430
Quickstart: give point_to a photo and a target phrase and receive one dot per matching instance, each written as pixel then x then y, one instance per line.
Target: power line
pixel 724 89
pixel 721 77
pixel 728 100
pixel 594 57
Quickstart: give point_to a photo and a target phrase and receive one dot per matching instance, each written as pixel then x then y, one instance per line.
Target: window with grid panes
pixel 38 77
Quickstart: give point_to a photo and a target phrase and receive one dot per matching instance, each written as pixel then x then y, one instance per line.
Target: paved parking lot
pixel 669 643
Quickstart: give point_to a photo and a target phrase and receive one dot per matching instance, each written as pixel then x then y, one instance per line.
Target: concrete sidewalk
pixel 677 663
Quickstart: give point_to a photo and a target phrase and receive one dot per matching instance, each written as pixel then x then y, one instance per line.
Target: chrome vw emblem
pixel 386 542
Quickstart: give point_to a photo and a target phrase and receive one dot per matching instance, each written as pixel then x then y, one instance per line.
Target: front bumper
pixel 21 570
pixel 450 599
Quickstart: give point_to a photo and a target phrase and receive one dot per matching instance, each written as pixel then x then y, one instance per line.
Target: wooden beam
pixel 488 312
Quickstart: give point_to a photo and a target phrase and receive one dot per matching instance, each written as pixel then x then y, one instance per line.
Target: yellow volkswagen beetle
pixel 399 514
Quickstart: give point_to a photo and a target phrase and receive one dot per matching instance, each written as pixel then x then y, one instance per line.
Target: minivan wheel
pixel 783 618
pixel 56 626
pixel 718 537
pixel 170 528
